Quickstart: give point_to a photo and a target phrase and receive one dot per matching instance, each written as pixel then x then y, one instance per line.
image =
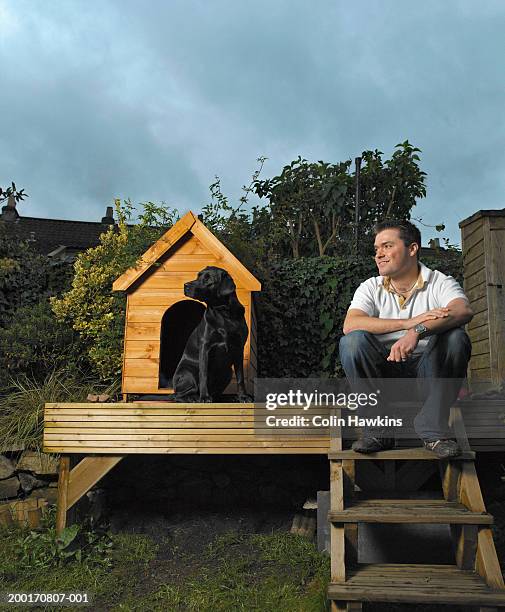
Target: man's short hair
pixel 409 233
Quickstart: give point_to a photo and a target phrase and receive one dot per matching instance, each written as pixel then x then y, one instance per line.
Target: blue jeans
pixel 446 356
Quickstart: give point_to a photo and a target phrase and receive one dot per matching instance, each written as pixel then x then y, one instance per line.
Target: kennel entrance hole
pixel 176 326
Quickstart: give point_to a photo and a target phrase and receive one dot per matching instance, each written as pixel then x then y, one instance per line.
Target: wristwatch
pixel 420 329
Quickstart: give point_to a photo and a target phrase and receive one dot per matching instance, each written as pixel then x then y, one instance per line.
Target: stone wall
pixel 28 474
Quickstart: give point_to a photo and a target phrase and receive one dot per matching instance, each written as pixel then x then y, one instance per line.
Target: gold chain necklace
pixel 402 292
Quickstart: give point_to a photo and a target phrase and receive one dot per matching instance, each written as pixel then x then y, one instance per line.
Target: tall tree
pixel 312 204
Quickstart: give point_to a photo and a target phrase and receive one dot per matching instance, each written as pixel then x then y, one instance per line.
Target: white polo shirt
pixel 433 290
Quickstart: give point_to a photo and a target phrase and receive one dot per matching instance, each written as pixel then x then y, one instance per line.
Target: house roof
pixel 49 234
pixel 189 223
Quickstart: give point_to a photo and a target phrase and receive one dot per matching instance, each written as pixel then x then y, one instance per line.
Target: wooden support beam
pixel 350 529
pixel 62 501
pixel 469 489
pixel 337 529
pixel 486 561
pixel 339 478
pixel 464 537
pixel 487 564
pixel 450 473
pixel 336 432
pixel 87 473
pixel 458 424
pixel 465 545
pixel 349 472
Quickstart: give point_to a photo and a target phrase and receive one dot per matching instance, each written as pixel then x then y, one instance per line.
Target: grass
pixel 22 407
pixel 134 548
pixel 268 573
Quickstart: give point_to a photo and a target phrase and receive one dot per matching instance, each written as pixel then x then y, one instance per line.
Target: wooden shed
pixel 160 318
pixel 483 243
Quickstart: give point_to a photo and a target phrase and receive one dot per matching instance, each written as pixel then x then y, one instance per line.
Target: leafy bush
pixel 22 409
pixel 43 548
pixel 449 261
pixel 35 343
pixel 25 276
pixel 90 306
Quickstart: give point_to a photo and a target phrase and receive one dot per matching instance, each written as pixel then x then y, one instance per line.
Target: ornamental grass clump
pixel 22 409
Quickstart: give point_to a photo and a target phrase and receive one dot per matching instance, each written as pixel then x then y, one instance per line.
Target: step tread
pixel 433 511
pixel 400 583
pixel 418 453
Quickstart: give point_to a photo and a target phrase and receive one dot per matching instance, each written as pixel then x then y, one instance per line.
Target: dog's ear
pixel 226 286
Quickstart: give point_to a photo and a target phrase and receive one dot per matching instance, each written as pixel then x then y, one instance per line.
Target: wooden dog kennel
pixel 160 318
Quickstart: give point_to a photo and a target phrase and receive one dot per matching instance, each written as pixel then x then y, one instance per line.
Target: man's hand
pixel 404 347
pixel 436 313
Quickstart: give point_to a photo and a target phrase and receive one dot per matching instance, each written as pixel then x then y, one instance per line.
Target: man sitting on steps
pixel 407 322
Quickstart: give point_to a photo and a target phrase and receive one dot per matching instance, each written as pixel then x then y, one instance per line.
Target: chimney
pixel 434 243
pixel 9 212
pixel 109 218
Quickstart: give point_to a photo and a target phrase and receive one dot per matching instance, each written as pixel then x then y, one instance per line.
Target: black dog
pixel 216 344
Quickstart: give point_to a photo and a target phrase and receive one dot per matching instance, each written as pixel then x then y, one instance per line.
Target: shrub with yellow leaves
pixel 90 306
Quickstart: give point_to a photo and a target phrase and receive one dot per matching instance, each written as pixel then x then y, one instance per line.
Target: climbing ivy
pixel 300 312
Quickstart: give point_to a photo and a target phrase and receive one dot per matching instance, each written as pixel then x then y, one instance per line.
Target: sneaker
pixel 443 449
pixel 373 445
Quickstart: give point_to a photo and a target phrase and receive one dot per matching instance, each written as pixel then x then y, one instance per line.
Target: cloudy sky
pixel 150 100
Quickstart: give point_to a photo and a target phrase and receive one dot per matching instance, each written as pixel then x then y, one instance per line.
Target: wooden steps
pixel 383 488
pixel 427 511
pixel 399 583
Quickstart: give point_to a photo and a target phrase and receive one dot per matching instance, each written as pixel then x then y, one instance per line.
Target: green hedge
pixel 35 343
pixel 300 312
pixel 25 276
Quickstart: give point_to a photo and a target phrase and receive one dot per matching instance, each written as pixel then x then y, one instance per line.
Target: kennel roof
pixel 189 223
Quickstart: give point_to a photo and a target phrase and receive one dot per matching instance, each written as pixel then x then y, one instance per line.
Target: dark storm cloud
pixel 105 99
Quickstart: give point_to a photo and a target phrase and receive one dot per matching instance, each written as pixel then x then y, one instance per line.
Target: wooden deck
pixel 103 434
pixel 163 428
